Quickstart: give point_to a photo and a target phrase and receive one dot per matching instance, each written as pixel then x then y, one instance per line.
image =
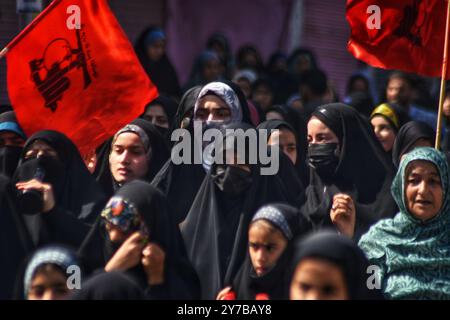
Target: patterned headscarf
pixel 413 255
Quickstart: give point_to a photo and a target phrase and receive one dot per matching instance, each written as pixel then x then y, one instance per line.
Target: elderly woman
pixel 412 249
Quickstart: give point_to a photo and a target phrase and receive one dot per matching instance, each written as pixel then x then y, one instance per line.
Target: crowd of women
pixel 359 208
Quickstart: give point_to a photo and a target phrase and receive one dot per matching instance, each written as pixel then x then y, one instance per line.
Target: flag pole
pixel 28 28
pixel 443 75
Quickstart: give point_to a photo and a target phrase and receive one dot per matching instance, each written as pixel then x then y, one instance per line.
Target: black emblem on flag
pixel 414 18
pixel 50 72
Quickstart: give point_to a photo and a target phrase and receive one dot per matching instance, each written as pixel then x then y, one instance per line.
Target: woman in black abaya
pixel 135 222
pixel 216 228
pixel 71 199
pixel 350 175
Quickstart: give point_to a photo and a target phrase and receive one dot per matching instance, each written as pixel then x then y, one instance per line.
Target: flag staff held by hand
pixel 444 72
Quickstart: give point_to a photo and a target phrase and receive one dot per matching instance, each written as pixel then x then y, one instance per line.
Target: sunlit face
pixel 49 283
pixel 318 132
pixel 263 96
pixel 40 148
pixel 156 50
pixel 399 91
pixel 212 108
pixel 423 190
pixel 266 244
pixel 286 141
pixel 446 106
pixel 384 131
pixel 156 115
pixel 318 279
pixel 128 159
pixel 11 139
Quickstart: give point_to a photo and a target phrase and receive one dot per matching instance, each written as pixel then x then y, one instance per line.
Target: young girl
pixel 263 276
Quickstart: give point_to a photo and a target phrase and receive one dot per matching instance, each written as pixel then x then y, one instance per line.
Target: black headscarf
pixel 180 281
pixel 216 228
pixel 181 182
pixel 408 134
pixel 169 106
pixel 10 155
pixel 186 107
pixel 15 241
pixel 77 195
pixel 162 73
pixel 275 283
pixel 302 146
pixel 364 171
pixel 115 286
pixel 345 254
pixel 158 153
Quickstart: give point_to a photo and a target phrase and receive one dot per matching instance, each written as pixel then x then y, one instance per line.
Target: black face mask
pixel 9 158
pixel 324 158
pixel 163 131
pixel 46 169
pixel 231 179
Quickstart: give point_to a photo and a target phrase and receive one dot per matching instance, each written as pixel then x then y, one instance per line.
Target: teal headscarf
pixel 413 256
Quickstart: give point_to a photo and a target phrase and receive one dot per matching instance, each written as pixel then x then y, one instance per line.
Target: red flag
pixel 85 82
pixel 410 36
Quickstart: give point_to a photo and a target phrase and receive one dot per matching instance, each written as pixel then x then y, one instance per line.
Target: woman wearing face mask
pixel 137 151
pixel 57 194
pixel 412 249
pixel 270 238
pixel 47 274
pixel 216 228
pixel 180 182
pixel 350 172
pixel 328 266
pixel 12 139
pixel 135 235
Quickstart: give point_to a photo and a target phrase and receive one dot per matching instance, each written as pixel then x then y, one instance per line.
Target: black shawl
pixel 180 282
pixel 78 197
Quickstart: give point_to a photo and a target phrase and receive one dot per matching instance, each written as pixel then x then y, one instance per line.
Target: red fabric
pixel 86 83
pixel 411 37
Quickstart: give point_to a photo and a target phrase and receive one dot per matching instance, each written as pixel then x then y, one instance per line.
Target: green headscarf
pixel 413 255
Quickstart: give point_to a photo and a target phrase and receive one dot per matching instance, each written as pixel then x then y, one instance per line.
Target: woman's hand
pixel 343 214
pixel 46 190
pixel 129 254
pixel 223 293
pixel 153 258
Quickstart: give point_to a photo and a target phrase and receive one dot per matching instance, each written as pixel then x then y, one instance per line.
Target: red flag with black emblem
pixel 74 70
pixel 407 35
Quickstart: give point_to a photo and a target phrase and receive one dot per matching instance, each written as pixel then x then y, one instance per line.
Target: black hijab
pixel 15 241
pixel 301 165
pixel 115 286
pixel 364 171
pixel 186 108
pixel 408 134
pixel 77 195
pixel 215 230
pixel 181 282
pixel 10 155
pixel 181 182
pixel 345 254
pixel 158 153
pixel 275 283
pixel 169 106
pixel 161 72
